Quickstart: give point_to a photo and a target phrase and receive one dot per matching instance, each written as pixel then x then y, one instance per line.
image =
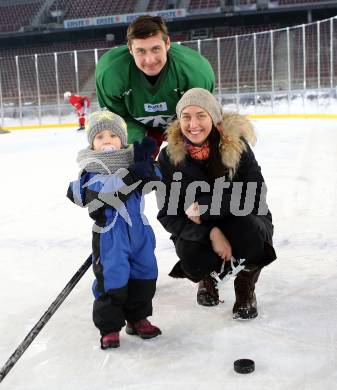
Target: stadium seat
pixel 87 8
pixel 13 17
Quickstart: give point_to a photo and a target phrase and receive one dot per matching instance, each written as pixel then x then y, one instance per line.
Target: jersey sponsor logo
pixel 155 107
pixel 156 121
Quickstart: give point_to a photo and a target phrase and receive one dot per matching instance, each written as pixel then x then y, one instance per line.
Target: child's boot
pixel 110 340
pixel 142 328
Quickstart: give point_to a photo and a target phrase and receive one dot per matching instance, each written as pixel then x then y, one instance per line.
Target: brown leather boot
pixel 245 306
pixel 208 294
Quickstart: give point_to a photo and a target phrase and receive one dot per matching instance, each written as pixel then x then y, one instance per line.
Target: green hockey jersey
pixel 124 89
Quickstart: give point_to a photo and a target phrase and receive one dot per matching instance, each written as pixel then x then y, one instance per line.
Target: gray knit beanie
pixel 106 120
pixel 202 98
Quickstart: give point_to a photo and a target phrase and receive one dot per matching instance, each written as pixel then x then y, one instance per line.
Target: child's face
pixel 105 140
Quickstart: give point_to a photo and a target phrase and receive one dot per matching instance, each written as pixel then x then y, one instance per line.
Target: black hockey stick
pixel 44 319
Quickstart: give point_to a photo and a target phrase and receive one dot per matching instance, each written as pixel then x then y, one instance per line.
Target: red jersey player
pixel 81 103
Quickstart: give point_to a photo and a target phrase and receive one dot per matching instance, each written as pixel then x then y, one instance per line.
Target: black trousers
pixel 131 303
pixel 249 236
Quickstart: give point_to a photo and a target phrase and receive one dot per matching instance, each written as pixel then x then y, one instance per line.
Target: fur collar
pixel 235 131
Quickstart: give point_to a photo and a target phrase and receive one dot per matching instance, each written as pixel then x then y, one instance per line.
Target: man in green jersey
pixel 143 80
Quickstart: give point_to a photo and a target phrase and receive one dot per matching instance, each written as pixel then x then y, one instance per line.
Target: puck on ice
pixel 244 366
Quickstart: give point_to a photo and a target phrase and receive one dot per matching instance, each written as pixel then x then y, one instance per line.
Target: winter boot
pixel 208 294
pixel 245 307
pixel 110 340
pixel 142 328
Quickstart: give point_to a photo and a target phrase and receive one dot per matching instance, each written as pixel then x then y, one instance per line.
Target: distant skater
pixel 81 103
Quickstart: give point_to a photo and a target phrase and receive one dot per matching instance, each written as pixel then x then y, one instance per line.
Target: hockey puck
pixel 244 366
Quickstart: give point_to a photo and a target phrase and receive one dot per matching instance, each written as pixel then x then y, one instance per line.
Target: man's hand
pixel 220 244
pixel 193 213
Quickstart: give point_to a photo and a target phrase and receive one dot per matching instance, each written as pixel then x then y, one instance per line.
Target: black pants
pixel 249 236
pixel 131 303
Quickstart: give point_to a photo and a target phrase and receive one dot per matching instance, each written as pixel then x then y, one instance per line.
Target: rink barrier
pixel 250 116
pixel 37 127
pixel 292 116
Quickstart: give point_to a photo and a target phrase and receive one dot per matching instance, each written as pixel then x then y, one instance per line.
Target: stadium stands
pixel 228 65
pixel 87 8
pixel 52 47
pixel 199 4
pixel 246 2
pixel 8 79
pixel 66 75
pixel 155 5
pixel 180 36
pixel 300 2
pixel 229 31
pixel 237 67
pixel 46 68
pixel 13 17
pixel 56 47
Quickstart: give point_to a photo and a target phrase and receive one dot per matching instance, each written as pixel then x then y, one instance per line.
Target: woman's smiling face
pixel 196 124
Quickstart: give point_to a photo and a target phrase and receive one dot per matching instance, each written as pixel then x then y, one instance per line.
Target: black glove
pixel 143 169
pixel 144 150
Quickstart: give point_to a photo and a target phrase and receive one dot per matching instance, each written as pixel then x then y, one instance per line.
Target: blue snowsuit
pixel 123 246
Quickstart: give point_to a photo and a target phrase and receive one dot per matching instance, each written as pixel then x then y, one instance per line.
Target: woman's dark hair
pixel 215 166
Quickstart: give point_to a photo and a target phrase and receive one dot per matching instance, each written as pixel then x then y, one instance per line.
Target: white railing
pixel 255 72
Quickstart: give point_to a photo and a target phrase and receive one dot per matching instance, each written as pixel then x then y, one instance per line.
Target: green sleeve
pixel 203 75
pixel 206 81
pixel 136 131
pixel 193 69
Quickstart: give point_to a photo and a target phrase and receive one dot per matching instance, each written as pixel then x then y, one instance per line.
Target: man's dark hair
pixel 146 26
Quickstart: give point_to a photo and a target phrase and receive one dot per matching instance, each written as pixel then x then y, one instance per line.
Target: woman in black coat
pixel 215 203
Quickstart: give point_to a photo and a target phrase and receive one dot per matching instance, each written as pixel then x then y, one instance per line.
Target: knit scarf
pixel 105 162
pixel 198 152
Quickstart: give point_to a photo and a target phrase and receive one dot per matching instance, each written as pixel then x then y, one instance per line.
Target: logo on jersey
pixel 155 107
pixel 156 121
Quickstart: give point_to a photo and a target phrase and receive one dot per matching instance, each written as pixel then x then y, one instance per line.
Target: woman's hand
pixel 193 213
pixel 220 244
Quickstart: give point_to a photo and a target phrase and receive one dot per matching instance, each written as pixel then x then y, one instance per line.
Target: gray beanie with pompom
pixel 106 120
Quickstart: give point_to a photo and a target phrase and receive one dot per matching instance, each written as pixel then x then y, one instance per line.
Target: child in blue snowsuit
pixel 112 178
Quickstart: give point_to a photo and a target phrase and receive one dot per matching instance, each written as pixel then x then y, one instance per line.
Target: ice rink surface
pixel 44 239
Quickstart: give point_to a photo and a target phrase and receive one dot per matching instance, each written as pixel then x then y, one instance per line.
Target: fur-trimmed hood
pixel 235 131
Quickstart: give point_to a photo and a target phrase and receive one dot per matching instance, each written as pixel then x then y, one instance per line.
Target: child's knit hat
pixel 106 120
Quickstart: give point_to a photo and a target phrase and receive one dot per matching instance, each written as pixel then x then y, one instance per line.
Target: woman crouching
pixel 215 206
